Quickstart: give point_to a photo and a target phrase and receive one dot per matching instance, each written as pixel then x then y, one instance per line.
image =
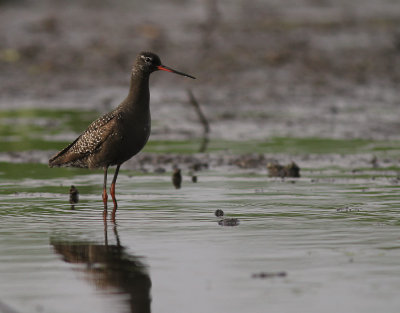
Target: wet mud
pixel 265 68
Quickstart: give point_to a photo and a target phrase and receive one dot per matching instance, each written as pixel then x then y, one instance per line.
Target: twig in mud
pixel 203 120
pixel 200 114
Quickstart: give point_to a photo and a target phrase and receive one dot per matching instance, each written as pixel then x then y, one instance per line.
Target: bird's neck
pixel 139 94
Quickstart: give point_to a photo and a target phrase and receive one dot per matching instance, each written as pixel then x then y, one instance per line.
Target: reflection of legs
pixel 116 235
pixel 112 190
pixel 105 231
pixel 105 197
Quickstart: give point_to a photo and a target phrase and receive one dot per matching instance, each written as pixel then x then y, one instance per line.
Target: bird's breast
pixel 134 135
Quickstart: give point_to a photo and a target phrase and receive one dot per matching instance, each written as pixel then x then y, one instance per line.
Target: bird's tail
pixel 56 161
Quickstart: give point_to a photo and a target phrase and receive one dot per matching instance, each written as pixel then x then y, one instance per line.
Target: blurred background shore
pixel 311 68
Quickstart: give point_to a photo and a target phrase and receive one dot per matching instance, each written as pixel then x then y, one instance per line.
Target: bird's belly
pixel 121 145
pixel 136 142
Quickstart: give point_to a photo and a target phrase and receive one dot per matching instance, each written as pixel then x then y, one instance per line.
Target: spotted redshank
pixel 118 135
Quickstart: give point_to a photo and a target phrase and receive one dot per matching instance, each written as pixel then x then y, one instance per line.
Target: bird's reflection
pixel 109 267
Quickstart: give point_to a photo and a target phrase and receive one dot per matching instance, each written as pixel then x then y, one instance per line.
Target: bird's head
pixel 149 62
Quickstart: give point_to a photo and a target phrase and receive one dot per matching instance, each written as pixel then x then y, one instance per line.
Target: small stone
pixel 219 213
pixel 177 178
pixel 277 170
pixel 73 195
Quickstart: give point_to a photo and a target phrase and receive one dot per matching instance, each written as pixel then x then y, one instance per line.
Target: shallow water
pixel 327 242
pixel 335 236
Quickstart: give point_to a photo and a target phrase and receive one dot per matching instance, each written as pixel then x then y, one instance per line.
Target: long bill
pixel 168 69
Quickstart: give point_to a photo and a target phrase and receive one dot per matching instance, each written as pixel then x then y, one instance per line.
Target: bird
pixel 120 134
pixel 177 178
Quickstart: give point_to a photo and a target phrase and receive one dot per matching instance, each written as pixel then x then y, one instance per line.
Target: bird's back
pixel 79 152
pixel 110 140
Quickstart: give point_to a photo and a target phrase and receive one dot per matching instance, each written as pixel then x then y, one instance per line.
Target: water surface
pixel 335 236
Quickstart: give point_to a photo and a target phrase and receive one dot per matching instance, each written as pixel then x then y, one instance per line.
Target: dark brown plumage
pixel 118 135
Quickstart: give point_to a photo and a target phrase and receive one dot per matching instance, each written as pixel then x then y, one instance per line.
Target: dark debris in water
pixel 229 222
pixel 177 178
pixel 277 170
pixel 348 209
pixel 225 221
pixel 219 213
pixel 264 275
pixel 73 195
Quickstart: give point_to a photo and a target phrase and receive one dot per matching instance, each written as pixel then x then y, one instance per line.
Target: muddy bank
pixel 161 162
pixel 264 68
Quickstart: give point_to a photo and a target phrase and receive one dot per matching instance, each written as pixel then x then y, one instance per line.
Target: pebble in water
pixel 73 195
pixel 219 213
pixel 177 178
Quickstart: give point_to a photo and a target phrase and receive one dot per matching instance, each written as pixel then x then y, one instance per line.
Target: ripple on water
pixel 330 237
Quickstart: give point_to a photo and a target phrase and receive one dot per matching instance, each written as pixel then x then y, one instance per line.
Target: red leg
pixel 112 191
pixel 105 196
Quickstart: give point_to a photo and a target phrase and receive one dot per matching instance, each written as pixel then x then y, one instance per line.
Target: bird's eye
pixel 147 59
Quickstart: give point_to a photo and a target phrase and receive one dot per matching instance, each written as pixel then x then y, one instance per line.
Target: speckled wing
pixel 77 153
